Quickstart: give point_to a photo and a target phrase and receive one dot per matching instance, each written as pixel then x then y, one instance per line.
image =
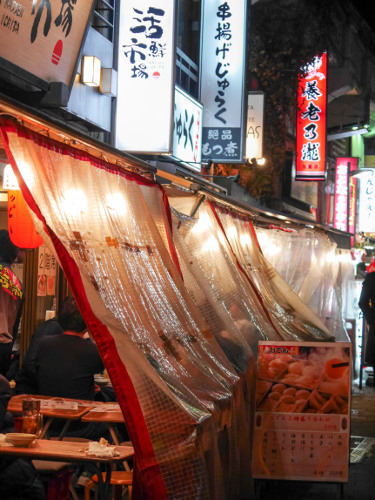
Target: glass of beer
pixel 32 419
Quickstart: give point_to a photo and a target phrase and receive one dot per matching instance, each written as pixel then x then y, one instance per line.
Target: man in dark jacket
pixel 26 377
pixel 367 305
pixel 65 368
pixel 18 477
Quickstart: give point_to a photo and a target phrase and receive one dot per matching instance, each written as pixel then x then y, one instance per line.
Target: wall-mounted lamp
pixel 108 82
pixel 90 71
pixel 256 162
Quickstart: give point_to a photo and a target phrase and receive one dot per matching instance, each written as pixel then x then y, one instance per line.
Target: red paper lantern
pixel 21 227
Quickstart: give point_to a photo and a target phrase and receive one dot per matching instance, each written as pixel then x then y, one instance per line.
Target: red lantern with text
pixel 21 227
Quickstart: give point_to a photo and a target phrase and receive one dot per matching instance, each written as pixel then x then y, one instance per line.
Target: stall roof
pixel 180 177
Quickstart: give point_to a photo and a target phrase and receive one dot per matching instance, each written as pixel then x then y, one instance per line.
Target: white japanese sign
pixel 47 269
pixel 222 68
pixel 254 129
pixel 366 222
pixel 144 114
pixel 187 134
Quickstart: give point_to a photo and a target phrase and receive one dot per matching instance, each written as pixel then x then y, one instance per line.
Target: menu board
pixel 47 268
pixel 302 416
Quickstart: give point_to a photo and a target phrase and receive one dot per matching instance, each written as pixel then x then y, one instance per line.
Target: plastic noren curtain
pixel 181 397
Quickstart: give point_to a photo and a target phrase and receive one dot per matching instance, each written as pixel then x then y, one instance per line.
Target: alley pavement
pixel 361 481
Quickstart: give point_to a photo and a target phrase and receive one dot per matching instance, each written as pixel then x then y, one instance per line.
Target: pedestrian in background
pixel 367 306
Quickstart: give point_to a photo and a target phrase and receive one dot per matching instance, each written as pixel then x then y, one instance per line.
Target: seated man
pixel 26 377
pixel 66 365
pixel 18 477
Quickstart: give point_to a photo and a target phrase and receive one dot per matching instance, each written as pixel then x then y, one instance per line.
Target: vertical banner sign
pixel 144 112
pixel 345 192
pixel 222 69
pixel 187 132
pixel 47 269
pixel 366 223
pixel 254 129
pixel 45 37
pixel 311 122
pixel 302 414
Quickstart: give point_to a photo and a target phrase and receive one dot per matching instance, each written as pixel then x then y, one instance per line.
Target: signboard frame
pixel 255 123
pixel 192 133
pixel 44 48
pixel 311 122
pixel 146 77
pixel 302 414
pixel 345 191
pixel 222 82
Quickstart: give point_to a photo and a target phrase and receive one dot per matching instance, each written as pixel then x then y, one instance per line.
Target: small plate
pixel 20 439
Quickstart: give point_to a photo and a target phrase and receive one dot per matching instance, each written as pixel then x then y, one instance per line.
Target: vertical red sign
pixel 345 195
pixel 311 122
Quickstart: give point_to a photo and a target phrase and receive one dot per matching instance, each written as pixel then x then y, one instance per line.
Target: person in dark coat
pixel 11 300
pixel 18 477
pixel 65 368
pixel 26 377
pixel 367 306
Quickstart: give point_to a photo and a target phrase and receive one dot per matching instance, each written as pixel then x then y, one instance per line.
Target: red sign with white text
pixel 345 192
pixel 311 122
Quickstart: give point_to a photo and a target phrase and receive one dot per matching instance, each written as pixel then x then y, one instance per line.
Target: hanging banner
pixel 187 131
pixel 254 129
pixel 44 38
pixel 47 269
pixel 311 122
pixel 302 415
pixel 366 222
pixel 144 112
pixel 344 205
pixel 222 69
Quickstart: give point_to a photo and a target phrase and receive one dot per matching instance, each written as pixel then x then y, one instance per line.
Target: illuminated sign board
pixel 44 38
pixel 311 122
pixel 366 222
pixel 144 113
pixel 345 187
pixel 187 132
pixel 254 128
pixel 222 69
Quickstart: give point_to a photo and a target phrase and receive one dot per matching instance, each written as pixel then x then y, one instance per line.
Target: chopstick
pixel 339 365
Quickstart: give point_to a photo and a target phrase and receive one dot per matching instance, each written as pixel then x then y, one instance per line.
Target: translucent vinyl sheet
pixel 183 401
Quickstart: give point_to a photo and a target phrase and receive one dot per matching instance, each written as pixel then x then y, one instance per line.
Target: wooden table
pixel 82 407
pixel 109 413
pixel 71 451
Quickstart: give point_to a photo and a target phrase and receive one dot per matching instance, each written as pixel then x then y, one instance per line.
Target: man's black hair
pixel 8 250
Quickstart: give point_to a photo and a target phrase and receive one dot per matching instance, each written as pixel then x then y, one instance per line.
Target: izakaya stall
pixel 176 313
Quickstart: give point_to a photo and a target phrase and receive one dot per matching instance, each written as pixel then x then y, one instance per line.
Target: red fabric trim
pixel 254 235
pixel 153 483
pixel 64 149
pixel 122 384
pixel 169 232
pixel 255 290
